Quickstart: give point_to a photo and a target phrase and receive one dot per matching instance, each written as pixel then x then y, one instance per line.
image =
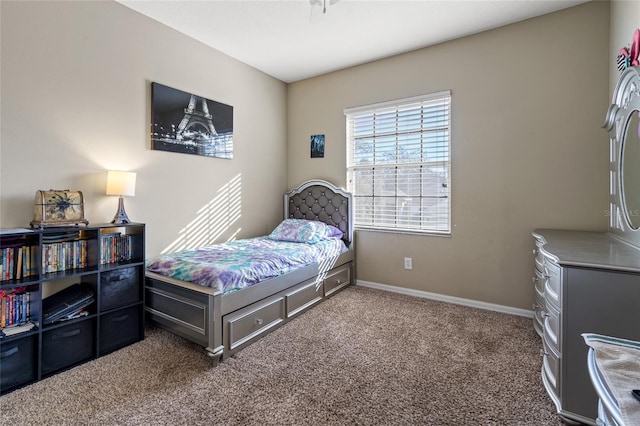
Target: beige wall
pixel 528 101
pixel 528 151
pixel 76 102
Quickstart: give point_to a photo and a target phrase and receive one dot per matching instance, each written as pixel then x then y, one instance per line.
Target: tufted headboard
pixel 321 200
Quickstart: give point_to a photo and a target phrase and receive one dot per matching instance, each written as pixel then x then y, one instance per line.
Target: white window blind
pixel 398 164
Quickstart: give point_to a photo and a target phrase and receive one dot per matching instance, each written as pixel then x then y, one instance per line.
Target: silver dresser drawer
pixel 552 283
pixel 539 306
pixel 539 261
pixel 552 328
pixel 250 322
pixel 539 257
pixel 539 283
pixel 551 371
pixel 539 309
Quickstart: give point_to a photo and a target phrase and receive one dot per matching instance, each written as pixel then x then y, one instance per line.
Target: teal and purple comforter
pixel 239 264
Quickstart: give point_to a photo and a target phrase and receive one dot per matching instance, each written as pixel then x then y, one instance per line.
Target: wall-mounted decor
pixel 317 146
pixel 190 124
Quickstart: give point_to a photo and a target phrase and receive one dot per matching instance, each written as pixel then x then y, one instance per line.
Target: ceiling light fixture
pixel 318 3
pixel 322 3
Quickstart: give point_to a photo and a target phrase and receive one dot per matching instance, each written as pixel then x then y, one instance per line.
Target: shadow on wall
pixel 213 220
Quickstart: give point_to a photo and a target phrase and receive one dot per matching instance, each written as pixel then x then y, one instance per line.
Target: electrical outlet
pixel 408 263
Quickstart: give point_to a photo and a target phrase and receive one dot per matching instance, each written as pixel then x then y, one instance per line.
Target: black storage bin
pixel 67 345
pixel 118 288
pixel 120 328
pixel 17 362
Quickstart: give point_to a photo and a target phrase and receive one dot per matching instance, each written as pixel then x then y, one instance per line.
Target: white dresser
pixel 585 282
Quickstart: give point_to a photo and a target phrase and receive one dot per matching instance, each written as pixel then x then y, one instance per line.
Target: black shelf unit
pixel 108 259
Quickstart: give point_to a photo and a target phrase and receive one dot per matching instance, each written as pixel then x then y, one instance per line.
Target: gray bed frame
pixel 223 324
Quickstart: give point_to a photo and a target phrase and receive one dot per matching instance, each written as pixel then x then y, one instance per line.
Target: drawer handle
pixel 535 279
pixel 66 334
pixel 338 281
pixel 535 251
pixel 259 321
pixel 535 306
pixel 121 318
pixel 12 351
pixel 543 353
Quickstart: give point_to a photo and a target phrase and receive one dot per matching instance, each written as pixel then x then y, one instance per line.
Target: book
pixel 59 237
pixel 18 328
pixel 75 314
pixel 33 261
pixel 19 254
pixel 7 231
pixel 66 302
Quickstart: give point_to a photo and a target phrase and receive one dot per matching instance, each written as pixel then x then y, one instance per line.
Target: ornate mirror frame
pixel 624 220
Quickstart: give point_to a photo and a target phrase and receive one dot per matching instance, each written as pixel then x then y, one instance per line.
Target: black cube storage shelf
pixel 37 263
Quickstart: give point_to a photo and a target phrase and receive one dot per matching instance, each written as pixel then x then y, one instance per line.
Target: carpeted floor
pixel 363 357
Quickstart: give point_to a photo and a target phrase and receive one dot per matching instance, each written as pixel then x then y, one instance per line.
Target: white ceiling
pixel 293 39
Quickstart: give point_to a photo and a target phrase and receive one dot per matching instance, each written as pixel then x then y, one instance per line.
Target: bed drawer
pixel 251 322
pixel 303 297
pixel 337 278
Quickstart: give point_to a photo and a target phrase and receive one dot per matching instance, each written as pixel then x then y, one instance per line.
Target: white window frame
pixel 376 209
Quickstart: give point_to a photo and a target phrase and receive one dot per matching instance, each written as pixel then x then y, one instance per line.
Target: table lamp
pixel 121 184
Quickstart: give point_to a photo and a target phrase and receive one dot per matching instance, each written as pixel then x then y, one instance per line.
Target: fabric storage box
pixel 119 288
pixel 17 362
pixel 67 345
pixel 120 328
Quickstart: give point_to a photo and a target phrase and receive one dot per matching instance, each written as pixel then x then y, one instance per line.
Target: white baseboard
pixel 449 299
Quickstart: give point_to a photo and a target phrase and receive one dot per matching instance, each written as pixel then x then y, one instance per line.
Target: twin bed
pixel 225 297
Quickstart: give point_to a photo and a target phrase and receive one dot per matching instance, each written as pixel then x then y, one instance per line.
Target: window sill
pixel 404 231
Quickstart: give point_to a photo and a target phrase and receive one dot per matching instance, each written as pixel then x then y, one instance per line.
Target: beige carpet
pixel 363 357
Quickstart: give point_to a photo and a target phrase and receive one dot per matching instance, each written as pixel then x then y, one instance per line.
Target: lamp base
pixel 121 215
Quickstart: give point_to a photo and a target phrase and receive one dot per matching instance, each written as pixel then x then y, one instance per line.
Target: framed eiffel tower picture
pixel 190 124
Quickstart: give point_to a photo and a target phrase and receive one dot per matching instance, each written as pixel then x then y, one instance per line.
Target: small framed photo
pixel 317 146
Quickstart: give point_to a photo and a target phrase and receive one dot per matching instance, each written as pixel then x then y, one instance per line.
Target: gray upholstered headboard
pixel 323 201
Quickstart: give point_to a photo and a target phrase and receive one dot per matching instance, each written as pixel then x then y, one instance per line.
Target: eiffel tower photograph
pixel 190 124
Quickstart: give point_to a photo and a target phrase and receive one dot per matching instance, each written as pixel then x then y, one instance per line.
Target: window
pixel 398 164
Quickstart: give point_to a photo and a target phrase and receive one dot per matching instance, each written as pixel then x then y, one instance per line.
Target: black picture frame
pixel 190 124
pixel 317 146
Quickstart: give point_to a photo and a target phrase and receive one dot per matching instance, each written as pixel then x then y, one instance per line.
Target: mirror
pixel 630 171
pixel 622 121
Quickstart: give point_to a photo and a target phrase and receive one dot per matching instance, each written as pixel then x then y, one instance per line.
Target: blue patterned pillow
pixel 304 231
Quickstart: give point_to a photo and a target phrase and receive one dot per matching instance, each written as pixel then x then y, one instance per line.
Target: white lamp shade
pixel 121 183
